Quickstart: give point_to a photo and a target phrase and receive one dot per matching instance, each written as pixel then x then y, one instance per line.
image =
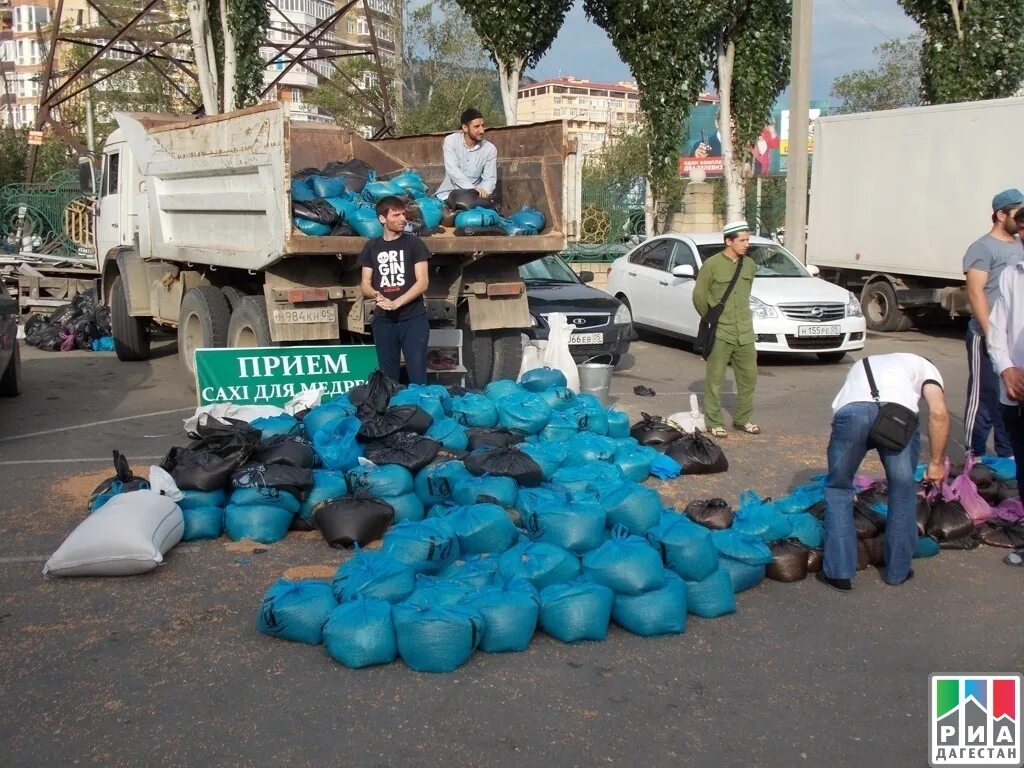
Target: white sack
pixel 690 421
pixel 533 356
pixel 556 354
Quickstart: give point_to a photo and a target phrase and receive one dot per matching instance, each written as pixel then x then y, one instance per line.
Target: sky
pixel 844 34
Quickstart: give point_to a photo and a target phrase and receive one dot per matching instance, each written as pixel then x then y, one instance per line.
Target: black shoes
pixel 839 585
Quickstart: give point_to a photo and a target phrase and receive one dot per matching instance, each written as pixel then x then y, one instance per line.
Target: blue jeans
pixel 846 450
pixel 395 338
pixel 983 413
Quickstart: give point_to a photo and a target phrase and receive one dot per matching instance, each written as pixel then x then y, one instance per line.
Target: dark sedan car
pixel 10 352
pixel 601 325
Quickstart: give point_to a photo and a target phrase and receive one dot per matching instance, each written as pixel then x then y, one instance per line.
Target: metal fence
pixel 609 217
pixel 53 214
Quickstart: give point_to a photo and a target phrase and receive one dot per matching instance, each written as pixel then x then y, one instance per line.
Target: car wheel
pixel 202 322
pixel 881 310
pixel 10 383
pixel 634 334
pixel 131 334
pixel 249 326
pixel 831 357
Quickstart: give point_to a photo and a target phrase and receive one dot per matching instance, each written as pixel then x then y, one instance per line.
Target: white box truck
pixel 194 232
pixel 897 197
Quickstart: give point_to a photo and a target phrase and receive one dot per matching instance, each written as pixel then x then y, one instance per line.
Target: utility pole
pixel 799 106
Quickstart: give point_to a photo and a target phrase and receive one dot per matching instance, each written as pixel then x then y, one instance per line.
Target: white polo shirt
pixel 899 376
pixel 1006 326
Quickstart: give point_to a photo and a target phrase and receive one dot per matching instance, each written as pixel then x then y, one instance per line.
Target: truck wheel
pixel 881 310
pixel 249 326
pixel 233 295
pixel 508 353
pixel 202 322
pixel 10 384
pixel 131 334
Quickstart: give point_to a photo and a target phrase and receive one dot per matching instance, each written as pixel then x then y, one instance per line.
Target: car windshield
pixel 775 261
pixel 550 269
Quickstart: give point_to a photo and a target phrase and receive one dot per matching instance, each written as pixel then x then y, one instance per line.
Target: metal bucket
pixel 596 379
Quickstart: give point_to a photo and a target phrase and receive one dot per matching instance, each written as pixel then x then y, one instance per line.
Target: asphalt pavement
pixel 167 669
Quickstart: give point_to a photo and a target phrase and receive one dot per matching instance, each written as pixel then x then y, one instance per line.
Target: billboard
pixel 702 145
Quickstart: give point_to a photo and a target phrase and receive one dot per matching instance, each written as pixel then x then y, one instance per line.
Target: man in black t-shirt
pixel 395 276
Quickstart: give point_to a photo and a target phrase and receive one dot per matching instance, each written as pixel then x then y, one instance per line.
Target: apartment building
pixel 592 111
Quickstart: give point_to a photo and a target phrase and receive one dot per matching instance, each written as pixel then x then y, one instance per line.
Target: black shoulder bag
pixel 895 424
pixel 709 323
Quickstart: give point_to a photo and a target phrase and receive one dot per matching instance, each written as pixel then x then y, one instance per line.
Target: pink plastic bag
pixel 964 490
pixel 1010 510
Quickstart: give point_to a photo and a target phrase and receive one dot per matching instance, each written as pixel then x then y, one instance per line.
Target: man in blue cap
pixel 984 262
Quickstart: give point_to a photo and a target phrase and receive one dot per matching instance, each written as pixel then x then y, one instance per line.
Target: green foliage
pixel 517 33
pixel 983 59
pixel 53 156
pixel 893 84
pixel 248 20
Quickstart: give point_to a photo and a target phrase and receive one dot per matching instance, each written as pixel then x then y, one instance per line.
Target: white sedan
pixel 794 311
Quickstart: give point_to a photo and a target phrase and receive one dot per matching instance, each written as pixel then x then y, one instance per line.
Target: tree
pixel 893 84
pixel 225 43
pixel 972 49
pixel 517 33
pixel 53 156
pixel 353 95
pixel 748 56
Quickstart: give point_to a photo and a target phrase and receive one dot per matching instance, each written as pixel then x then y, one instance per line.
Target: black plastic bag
pixel 316 210
pixel 815 557
pixel 654 431
pixel 492 230
pixel 982 475
pixel 968 542
pixel 698 454
pixel 789 561
pixel 711 513
pixel 863 555
pixel 506 462
pixel 1007 490
pixel 990 492
pixel 85 333
pixel 866 521
pixel 876 551
pixel 406 449
pixel 400 418
pixel 355 172
pixel 305 173
pixel 1000 533
pixel 219 447
pixel 922 512
pixel 353 520
pixel 294 480
pixel 375 395
pixel 123 476
pixel 817 510
pixel 34 324
pixel 949 521
pixel 85 303
pixel 496 437
pixel 103 321
pixel 465 199
pixel 63 314
pixel 343 230
pixel 46 338
pixel 293 450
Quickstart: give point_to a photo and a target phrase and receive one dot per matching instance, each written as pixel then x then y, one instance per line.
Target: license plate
pixel 328 314
pixel 818 330
pixel 586 338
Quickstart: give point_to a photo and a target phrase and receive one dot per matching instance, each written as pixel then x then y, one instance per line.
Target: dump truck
pixel 897 196
pixel 194 232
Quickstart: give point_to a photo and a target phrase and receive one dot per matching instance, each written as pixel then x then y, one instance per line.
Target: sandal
pixel 718 432
pixel 750 428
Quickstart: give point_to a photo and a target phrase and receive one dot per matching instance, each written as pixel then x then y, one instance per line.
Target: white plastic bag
pixel 533 356
pixel 246 413
pixel 556 354
pixel 690 421
pixel 129 534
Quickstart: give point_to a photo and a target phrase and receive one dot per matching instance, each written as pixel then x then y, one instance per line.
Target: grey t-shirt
pixel 992 255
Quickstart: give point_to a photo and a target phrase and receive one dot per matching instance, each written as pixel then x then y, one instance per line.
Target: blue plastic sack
pixel 483 528
pixel 427 546
pixel 328 485
pixel 577 611
pixel 603 477
pixel 685 546
pixel 808 529
pixel 215 498
pixel 743 576
pixel 272 426
pixel 801 499
pixel 618 424
pixel 365 222
pixel 587 448
pixel 474 572
pixel 1004 468
pixel 926 546
pixel 319 416
pixel 302 192
pixel 477 217
pixel 103 344
pixel 202 523
pixel 525 412
pixel 265 496
pixel 559 428
pixel 510 612
pixel 410 182
pixel 549 456
pixel 407 507
pixel 312 228
pixel 590 415
pixel 539 563
pixel 742 547
pixel 501 388
pixel 435 483
pixel 760 518
pixel 711 597
pixel 426 400
pixel 296 610
pixel 474 410
pixel 361 634
pixel 439 639
pixel 627 565
pixel 327 186
pixel 665 467
pixel 487 489
pixel 375 191
pixel 655 612
pixel 539 379
pixel 635 463
pixel 576 526
pixel 259 522
pixel 449 433
pixel 438 590
pixel 528 216
pixel 634 506
pixel 373 575
pixel 344 205
pixel 335 443
pixel 557 398
pixel 383 480
pixel 431 209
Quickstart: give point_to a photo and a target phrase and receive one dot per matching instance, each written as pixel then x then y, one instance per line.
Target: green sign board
pixel 274 375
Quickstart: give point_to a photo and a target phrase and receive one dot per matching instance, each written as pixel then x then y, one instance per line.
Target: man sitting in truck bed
pixel 470 160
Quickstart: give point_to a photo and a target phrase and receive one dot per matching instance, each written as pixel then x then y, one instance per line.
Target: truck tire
pixel 249 326
pixel 131 334
pixel 881 310
pixel 477 354
pixel 508 353
pixel 10 383
pixel 202 322
pixel 233 295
